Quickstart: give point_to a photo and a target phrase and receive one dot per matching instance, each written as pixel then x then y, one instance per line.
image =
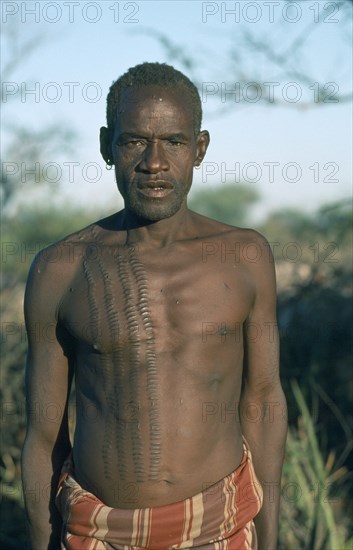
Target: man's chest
pixel 119 299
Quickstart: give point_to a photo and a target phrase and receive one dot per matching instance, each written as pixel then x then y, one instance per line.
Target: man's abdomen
pixel 133 451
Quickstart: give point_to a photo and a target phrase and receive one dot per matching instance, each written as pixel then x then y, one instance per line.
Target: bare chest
pixel 123 297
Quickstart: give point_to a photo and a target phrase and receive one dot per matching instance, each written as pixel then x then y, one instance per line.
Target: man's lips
pixel 155 184
pixel 156 189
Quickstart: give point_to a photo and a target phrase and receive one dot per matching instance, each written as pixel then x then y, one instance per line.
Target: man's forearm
pixel 39 483
pixel 264 425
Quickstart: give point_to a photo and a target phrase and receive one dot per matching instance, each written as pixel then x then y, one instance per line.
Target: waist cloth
pixel 218 518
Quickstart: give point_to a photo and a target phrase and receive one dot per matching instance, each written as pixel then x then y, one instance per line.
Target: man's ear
pixel 203 140
pixel 106 145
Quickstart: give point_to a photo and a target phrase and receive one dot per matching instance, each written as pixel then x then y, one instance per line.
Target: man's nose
pixel 154 159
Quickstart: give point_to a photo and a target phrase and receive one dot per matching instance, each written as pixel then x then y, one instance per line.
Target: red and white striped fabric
pixel 219 518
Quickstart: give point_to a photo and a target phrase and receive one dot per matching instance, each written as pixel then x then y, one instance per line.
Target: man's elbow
pixel 45 444
pixel 265 401
pixel 262 388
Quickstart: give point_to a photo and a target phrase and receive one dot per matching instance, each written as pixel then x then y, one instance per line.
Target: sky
pixel 297 154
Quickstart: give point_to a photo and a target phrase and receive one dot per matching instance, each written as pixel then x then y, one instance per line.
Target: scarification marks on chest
pixel 121 370
pixel 143 308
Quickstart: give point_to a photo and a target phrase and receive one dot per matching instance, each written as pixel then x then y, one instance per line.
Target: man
pixel 167 320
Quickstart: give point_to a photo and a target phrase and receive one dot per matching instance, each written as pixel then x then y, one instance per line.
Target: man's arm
pixel 48 381
pixel 263 406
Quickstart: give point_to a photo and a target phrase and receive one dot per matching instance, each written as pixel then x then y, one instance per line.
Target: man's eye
pixel 175 142
pixel 135 143
pixel 132 143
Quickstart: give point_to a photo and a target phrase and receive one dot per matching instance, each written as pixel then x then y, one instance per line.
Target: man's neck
pixel 157 234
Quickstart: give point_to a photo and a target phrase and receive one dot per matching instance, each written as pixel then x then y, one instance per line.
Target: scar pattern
pixel 122 369
pixel 139 275
pixel 131 316
pixel 114 381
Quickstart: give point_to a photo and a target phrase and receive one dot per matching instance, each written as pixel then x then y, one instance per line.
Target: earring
pixel 197 166
pixel 108 166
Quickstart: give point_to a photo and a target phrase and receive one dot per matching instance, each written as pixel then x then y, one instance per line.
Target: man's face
pixel 154 151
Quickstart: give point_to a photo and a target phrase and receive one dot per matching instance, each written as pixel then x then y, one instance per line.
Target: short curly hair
pixel 153 74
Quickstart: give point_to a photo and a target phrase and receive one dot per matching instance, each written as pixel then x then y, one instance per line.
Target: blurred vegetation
pixel 39 227
pixel 314 315
pixel 228 203
pixel 27 149
pixel 315 490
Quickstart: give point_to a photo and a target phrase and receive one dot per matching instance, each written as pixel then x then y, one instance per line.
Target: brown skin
pixel 155 315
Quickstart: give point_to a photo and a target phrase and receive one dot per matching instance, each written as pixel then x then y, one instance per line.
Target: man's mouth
pixel 156 189
pixel 155 192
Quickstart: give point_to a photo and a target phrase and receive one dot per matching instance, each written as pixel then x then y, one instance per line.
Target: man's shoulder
pixel 54 269
pixel 211 228
pixel 245 246
pixel 61 259
pixel 74 246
